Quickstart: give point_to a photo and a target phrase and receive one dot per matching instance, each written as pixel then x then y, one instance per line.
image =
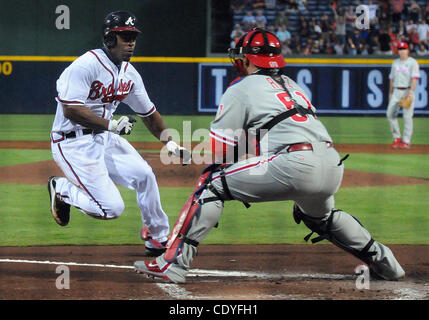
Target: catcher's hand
pixel 406 101
pixel 178 151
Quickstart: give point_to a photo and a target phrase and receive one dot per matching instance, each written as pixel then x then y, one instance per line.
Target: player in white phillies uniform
pixel 296 161
pixel 403 76
pixel 86 142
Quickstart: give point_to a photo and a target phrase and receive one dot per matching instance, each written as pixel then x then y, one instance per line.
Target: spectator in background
pixel 236 34
pixel 373 7
pixel 350 16
pixel 363 48
pixel 415 12
pixel 393 42
pixel 397 8
pixel 339 47
pixel 238 6
pixel 413 35
pixel 340 21
pixel 426 13
pixel 286 48
pixel 283 34
pixel 258 4
pixel 260 18
pixel 326 28
pixel 423 31
pixel 292 6
pixel 384 42
pixel 270 4
pixel 248 21
pixel 302 6
pixel 271 29
pixel 281 19
pixel 351 47
pixel 421 50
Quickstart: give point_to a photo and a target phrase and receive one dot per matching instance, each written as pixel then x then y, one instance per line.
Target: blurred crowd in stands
pixel 336 26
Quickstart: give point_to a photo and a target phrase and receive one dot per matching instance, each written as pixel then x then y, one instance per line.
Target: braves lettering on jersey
pixel 95 81
pixel 94 163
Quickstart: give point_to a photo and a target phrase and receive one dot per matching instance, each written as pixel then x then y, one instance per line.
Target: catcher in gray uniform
pixel 295 160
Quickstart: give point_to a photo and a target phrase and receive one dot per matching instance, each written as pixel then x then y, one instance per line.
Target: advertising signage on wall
pixel 333 89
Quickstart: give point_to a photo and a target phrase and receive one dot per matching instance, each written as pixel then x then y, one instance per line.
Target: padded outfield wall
pixel 185 85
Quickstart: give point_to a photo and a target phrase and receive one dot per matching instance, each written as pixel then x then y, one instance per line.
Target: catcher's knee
pixel 323 227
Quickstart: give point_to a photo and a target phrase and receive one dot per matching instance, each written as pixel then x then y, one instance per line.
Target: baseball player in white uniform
pixel 86 142
pixel 295 160
pixel 403 77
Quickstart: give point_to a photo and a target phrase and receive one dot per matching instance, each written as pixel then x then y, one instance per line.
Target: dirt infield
pixel 240 272
pixel 178 176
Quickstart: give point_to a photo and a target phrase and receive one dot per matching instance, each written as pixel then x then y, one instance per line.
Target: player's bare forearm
pixel 85 117
pixel 155 125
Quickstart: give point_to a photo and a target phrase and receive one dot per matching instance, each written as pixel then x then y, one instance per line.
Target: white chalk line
pixel 195 272
pixel 177 292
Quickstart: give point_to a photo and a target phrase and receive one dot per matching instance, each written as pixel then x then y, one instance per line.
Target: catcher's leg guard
pixel 347 233
pixel 203 194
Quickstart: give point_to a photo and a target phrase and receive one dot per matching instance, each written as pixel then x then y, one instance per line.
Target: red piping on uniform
pixel 80 182
pixel 248 166
pixel 223 138
pixel 104 67
pixel 68 102
pixel 147 113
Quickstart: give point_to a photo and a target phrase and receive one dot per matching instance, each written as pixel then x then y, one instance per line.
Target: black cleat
pixel 59 209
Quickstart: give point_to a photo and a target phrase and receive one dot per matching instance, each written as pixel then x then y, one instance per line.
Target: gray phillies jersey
pixel 402 72
pixel 254 101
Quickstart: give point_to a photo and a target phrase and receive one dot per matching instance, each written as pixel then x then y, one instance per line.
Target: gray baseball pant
pixel 310 178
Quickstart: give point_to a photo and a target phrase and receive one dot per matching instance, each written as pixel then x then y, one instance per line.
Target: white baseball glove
pixel 123 125
pixel 178 151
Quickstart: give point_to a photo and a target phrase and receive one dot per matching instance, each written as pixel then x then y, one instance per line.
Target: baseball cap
pixel 402 45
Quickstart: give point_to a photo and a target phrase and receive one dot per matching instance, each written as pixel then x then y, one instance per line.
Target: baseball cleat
pixel 164 271
pixel 404 145
pixel 396 143
pixel 153 247
pixel 59 209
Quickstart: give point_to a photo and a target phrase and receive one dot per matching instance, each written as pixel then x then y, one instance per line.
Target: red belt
pixel 304 146
pixel 402 88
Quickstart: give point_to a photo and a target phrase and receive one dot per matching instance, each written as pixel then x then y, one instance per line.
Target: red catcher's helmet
pixel 261 47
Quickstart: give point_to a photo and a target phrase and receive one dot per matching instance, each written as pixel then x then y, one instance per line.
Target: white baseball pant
pixel 93 164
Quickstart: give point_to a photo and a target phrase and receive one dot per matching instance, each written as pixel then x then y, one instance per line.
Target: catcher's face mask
pixel 236 55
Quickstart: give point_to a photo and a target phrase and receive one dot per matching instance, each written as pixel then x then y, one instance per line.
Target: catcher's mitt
pixel 406 101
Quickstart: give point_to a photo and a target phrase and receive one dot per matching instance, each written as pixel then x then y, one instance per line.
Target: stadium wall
pixel 194 85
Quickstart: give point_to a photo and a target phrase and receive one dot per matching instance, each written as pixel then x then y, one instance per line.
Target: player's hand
pixel 178 151
pixel 123 125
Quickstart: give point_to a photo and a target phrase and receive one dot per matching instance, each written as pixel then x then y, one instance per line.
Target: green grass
pixel 407 165
pixel 19 156
pixel 394 214
pixel 342 129
pixel 25 220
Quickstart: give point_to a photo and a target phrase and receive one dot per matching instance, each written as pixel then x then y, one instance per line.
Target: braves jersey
pixel 402 72
pixel 254 101
pixel 94 81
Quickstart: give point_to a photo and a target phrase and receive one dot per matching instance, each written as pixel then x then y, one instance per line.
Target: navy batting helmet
pixel 118 21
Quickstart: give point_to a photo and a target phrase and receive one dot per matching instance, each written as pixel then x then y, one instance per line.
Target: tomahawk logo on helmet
pixel 261 47
pixel 118 21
